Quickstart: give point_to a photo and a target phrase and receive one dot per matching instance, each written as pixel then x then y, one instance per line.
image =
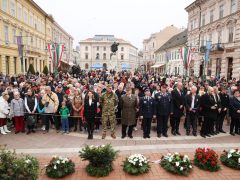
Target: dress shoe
pixel 16 132
pixel 159 135
pixel 144 137
pixel 188 133
pixel 28 132
pixel 89 136
pixel 33 131
pixel 203 135
pixel 194 134
pixel 178 133
pixel 148 137
pixel 233 134
pixel 123 136
pixel 222 131
pixel 208 135
pixel 237 133
pixel 130 136
pixel 165 135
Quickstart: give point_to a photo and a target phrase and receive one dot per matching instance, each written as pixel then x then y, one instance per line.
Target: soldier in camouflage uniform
pixel 109 102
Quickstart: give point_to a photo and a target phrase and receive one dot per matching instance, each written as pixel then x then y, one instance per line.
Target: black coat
pixel 188 102
pixel 163 104
pixel 207 101
pixel 234 106
pixel 224 100
pixel 90 111
pixel 178 100
pixel 147 107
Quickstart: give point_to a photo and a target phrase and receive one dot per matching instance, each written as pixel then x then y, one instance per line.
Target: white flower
pixel 176 153
pixel 55 156
pixel 177 164
pixel 27 161
pixel 190 167
pixel 58 162
pixel 103 146
pixel 181 168
pixel 238 160
pixel 229 155
pixel 55 167
pixel 170 159
pixel 91 146
pixel 66 159
pixel 186 157
pixel 169 154
pixel 60 157
pixel 232 151
pixel 140 164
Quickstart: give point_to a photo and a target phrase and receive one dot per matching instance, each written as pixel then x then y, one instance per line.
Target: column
pixel 214 65
pixel 11 65
pixel 3 64
pixel 18 65
pixel 224 67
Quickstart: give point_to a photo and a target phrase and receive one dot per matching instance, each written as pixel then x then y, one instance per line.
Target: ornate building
pixel 217 23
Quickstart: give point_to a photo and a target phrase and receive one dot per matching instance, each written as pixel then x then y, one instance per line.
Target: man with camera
pixel 50 102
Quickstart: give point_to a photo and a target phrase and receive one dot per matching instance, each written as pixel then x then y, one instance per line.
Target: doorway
pixel 229 68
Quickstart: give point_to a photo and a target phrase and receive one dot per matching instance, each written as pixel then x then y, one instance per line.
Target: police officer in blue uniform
pixel 147 112
pixel 163 101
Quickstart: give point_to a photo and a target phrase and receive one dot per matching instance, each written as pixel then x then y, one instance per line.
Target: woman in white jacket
pixel 4 111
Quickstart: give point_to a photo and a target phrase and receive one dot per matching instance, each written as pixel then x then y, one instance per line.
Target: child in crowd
pixel 64 112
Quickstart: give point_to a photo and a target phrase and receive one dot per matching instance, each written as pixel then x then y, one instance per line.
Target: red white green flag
pixel 186 56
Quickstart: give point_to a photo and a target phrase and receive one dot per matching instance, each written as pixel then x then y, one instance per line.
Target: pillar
pixel 3 64
pixel 18 65
pixel 11 65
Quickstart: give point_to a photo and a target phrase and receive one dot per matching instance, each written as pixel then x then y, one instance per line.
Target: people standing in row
pixel 77 105
pixel 4 112
pixel 235 113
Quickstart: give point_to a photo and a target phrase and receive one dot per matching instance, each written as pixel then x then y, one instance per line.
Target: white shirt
pixel 90 102
pixel 193 99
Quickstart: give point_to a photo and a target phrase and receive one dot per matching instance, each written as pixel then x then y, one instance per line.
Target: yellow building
pixel 23 18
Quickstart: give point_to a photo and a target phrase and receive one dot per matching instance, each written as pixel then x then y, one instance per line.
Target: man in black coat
pixel 192 106
pixel 224 97
pixel 209 110
pixel 178 107
pixel 234 111
pixel 119 92
pixel 163 101
pixel 147 112
pixel 219 108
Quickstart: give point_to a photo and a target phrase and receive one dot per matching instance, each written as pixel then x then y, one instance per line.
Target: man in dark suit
pixel 234 111
pixel 178 107
pixel 209 110
pixel 119 92
pixel 163 102
pixel 219 108
pixel 147 112
pixel 224 97
pixel 192 106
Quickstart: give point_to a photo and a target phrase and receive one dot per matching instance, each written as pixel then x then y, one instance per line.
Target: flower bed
pixel 136 164
pixel 60 167
pixel 176 163
pixel 206 159
pixel 100 159
pixel 17 167
pixel 231 158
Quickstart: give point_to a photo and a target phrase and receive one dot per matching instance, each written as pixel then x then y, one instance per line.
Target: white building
pixel 154 42
pixel 168 57
pixel 76 56
pixel 219 23
pixel 96 53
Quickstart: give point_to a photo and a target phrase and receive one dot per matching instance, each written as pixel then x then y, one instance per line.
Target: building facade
pixel 96 53
pixel 26 19
pixel 168 56
pixel 216 23
pixel 76 56
pixel 154 42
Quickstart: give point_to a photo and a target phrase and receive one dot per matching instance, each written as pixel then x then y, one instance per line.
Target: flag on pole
pixel 186 56
pixel 20 46
pixel 208 48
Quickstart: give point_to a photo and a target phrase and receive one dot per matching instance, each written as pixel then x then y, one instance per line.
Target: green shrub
pixel 100 159
pixel 45 70
pixel 31 69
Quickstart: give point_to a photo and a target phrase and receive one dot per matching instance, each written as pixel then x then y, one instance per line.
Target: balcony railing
pixel 218 47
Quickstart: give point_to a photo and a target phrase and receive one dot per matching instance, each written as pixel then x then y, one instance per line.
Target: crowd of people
pixel 90 99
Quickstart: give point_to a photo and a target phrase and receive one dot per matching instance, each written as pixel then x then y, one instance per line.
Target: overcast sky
pixel 132 20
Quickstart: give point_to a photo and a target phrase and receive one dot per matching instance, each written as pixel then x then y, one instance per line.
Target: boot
pixel 6 129
pixel 2 131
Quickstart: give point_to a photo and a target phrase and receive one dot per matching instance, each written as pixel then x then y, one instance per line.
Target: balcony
pixel 219 47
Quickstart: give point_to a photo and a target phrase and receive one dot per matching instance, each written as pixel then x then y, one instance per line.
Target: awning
pixel 97 66
pixel 126 66
pixel 157 65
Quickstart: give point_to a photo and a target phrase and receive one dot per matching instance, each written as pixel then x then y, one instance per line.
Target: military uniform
pixel 108 101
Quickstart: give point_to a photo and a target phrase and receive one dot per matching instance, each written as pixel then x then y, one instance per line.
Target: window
pixel 19 12
pixel 86 56
pixel 192 25
pixel 14 36
pixel 86 48
pixel 97 56
pixel 153 44
pixel 97 48
pixel 211 16
pixel 210 37
pixel 203 20
pixel 31 20
pixel 4 5
pixel 221 11
pixel 104 56
pixel 230 34
pixel 13 9
pixel 122 57
pixel 25 17
pixel 219 36
pixel 122 48
pixel 86 66
pixel 233 6
pixel 104 48
pixel 6 34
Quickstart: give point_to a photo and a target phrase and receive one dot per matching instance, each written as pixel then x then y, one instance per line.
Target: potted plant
pixel 59 167
pixel 206 159
pixel 231 158
pixel 136 164
pixel 100 159
pixel 176 164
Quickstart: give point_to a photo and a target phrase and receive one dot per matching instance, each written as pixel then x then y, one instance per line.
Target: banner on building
pixel 186 56
pixel 208 48
pixel 20 46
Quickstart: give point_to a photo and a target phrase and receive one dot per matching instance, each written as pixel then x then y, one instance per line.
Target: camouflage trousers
pixel 111 119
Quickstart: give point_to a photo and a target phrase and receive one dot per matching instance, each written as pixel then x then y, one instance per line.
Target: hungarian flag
pixel 56 53
pixel 186 56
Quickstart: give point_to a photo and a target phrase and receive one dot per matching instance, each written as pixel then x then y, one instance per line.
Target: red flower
pixel 213 162
pixel 204 161
pixel 200 156
pixel 67 92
